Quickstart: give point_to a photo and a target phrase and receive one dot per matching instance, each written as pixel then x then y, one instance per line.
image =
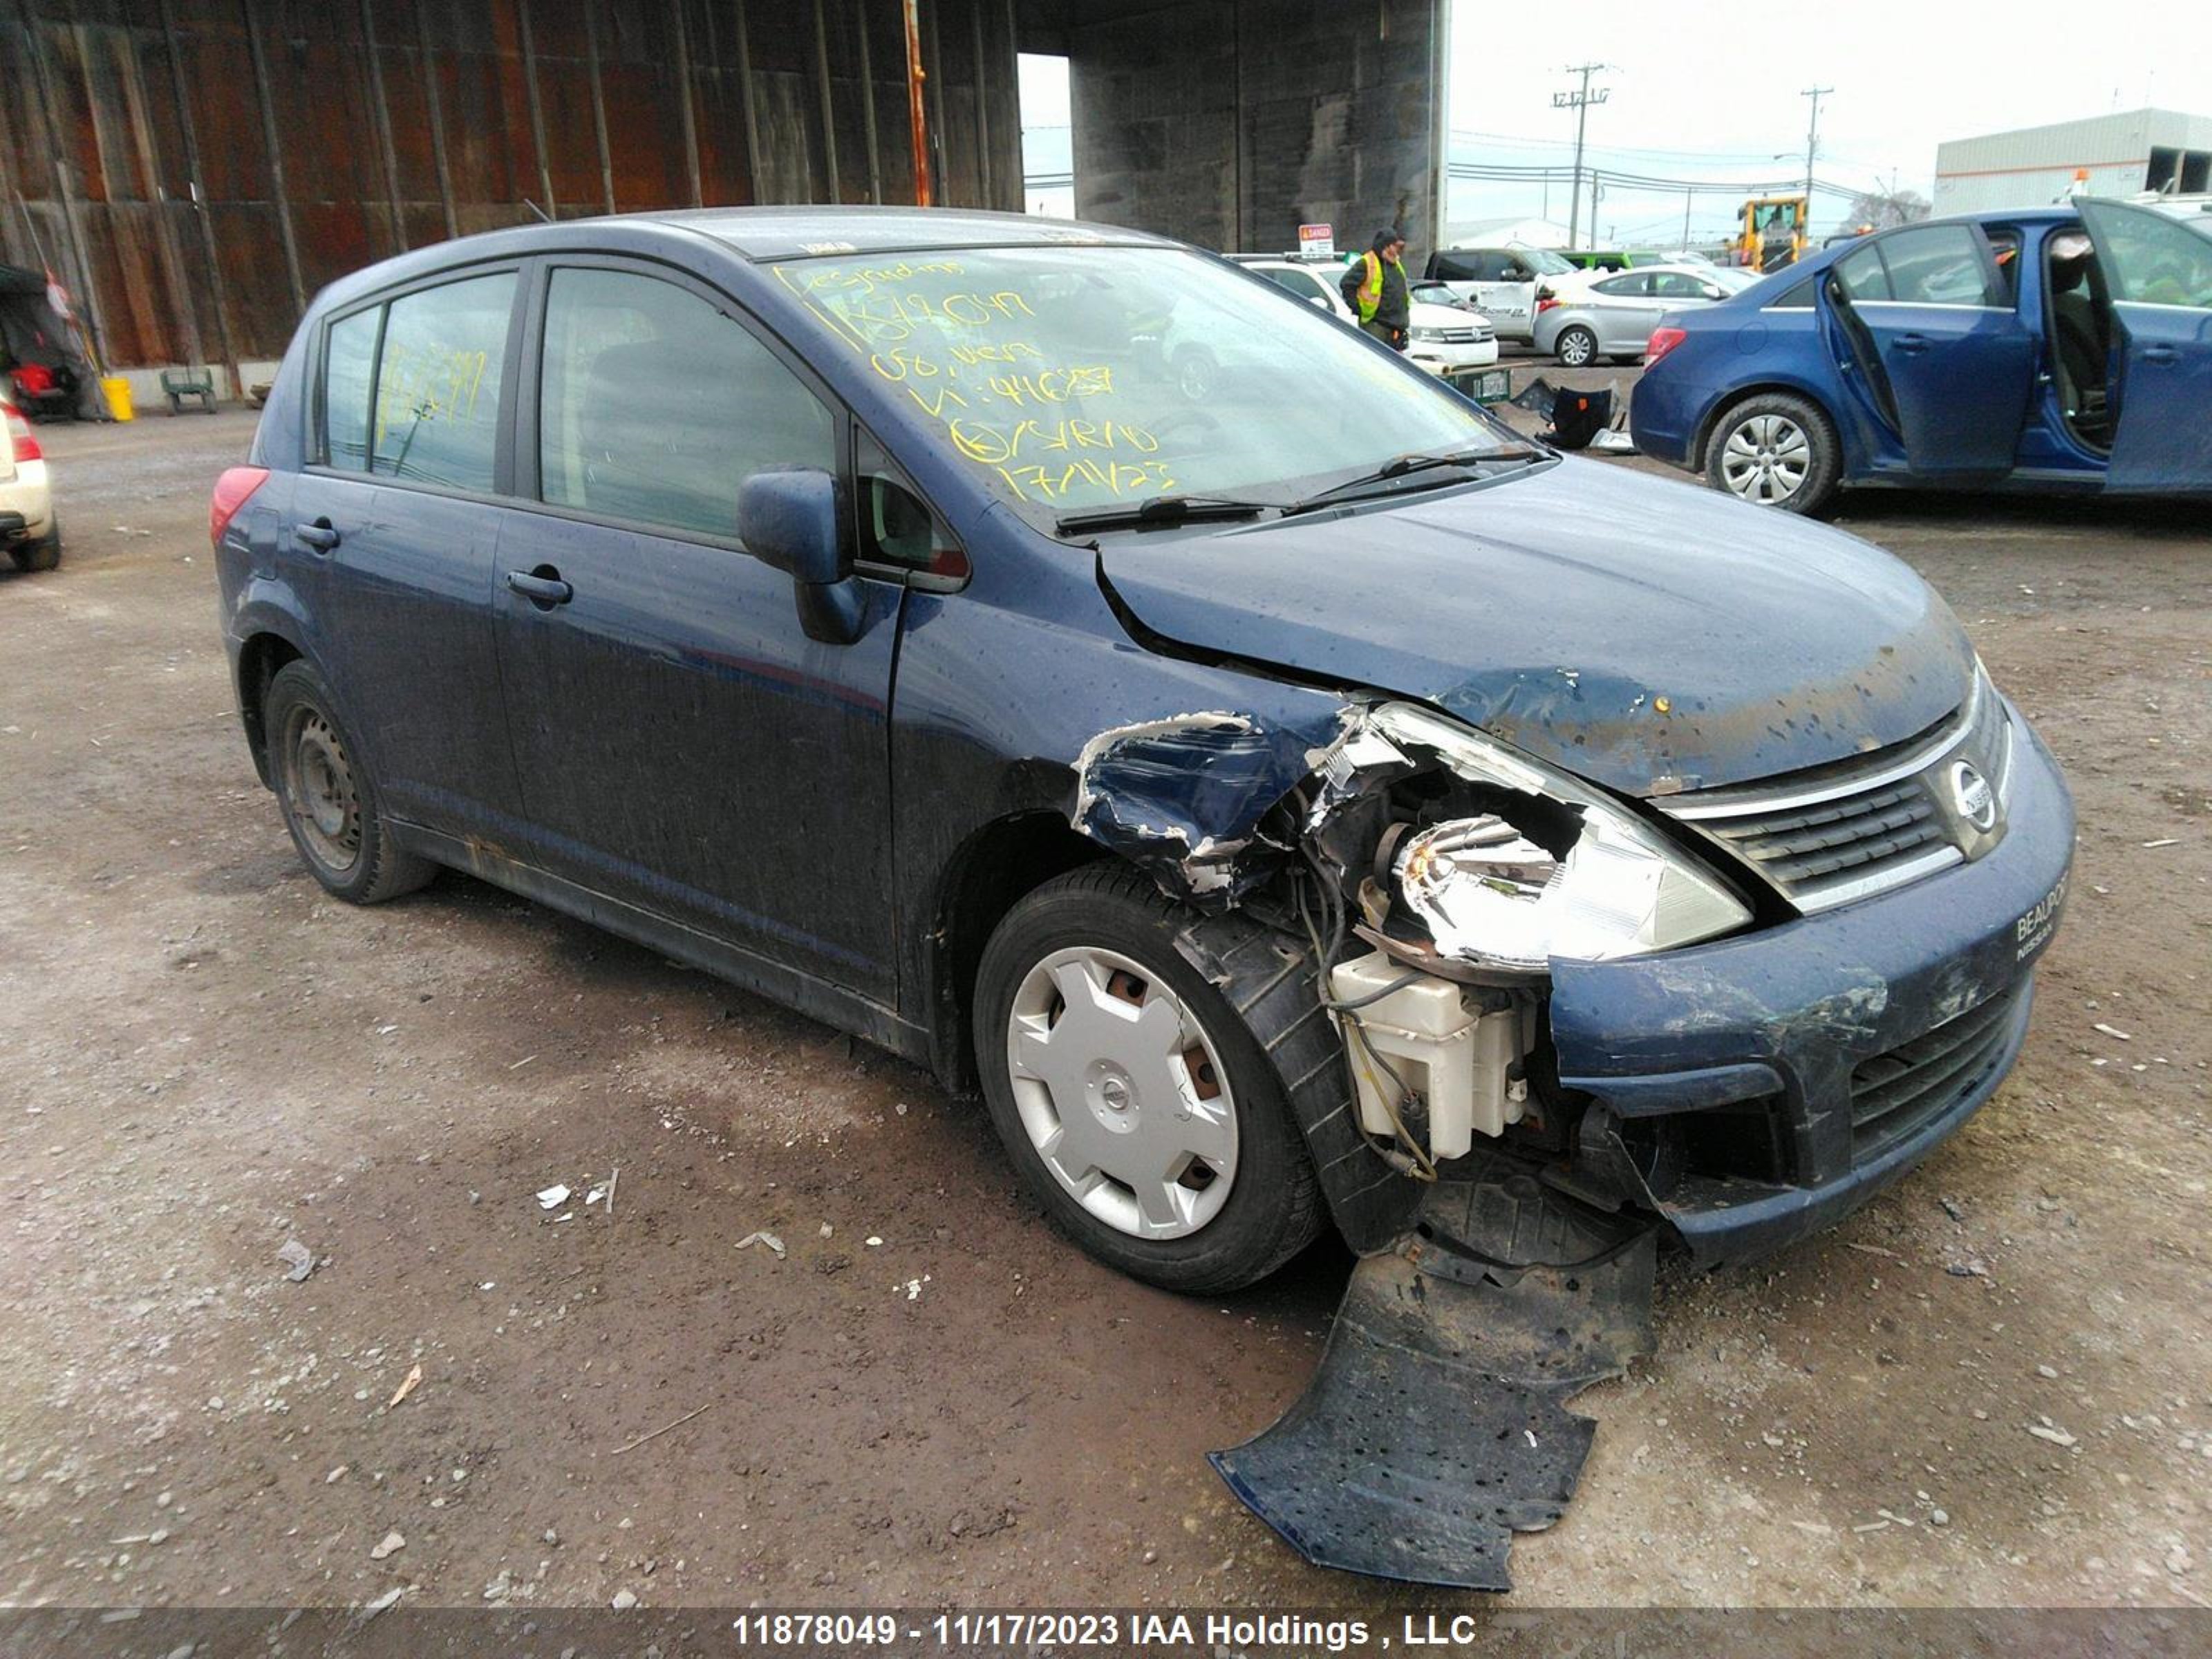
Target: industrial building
pixel 2117 154
pixel 193 170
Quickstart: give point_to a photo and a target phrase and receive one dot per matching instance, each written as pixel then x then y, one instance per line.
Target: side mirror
pixel 794 521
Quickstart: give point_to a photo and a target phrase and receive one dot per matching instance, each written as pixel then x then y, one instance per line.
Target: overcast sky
pixel 1713 92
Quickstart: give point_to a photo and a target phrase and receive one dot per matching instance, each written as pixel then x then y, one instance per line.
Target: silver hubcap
pixel 1121 1092
pixel 1575 349
pixel 1766 459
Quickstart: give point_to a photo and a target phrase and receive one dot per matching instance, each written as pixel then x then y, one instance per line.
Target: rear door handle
pixel 318 535
pixel 1912 344
pixel 2159 354
pixel 543 586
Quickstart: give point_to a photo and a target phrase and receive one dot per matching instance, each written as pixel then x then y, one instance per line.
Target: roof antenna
pixel 543 217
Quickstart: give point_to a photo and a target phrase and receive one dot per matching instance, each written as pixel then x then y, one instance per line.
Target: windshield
pixel 1543 261
pixel 1077 379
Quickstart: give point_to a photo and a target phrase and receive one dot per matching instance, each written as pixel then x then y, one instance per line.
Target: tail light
pixel 232 491
pixel 1662 340
pixel 1545 301
pixel 26 446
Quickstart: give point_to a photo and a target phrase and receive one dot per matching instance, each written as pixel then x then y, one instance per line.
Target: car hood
pixel 1426 314
pixel 1646 636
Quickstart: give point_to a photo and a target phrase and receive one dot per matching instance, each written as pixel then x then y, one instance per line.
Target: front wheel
pixel 1141 1111
pixel 1777 450
pixel 1577 347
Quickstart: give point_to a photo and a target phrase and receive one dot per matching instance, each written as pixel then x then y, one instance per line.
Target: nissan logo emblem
pixel 1971 794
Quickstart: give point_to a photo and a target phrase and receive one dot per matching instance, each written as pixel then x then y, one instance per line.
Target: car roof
pixel 755 234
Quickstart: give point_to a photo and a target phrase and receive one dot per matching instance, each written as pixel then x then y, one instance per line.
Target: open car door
pixel 1942 364
pixel 2160 273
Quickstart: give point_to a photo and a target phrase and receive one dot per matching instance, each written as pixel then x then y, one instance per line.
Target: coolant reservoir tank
pixel 1456 1059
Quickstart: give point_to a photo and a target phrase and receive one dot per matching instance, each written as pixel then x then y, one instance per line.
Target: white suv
pixel 1440 338
pixel 28 529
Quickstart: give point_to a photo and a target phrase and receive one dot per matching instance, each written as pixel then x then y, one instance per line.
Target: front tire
pixel 1777 450
pixel 329 802
pixel 1576 347
pixel 1140 1109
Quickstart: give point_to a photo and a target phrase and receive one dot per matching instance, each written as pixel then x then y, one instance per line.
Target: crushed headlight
pixel 1492 890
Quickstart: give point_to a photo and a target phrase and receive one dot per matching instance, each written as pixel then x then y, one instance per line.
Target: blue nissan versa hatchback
pixel 1266 792
pixel 2057 349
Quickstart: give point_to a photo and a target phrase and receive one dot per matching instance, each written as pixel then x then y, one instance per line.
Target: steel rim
pixel 321 792
pixel 1577 348
pixel 1121 1093
pixel 1767 459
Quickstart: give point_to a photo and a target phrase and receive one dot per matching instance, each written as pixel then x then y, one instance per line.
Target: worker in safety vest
pixel 1374 288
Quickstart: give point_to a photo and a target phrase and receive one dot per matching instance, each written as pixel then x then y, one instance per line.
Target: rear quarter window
pixel 348 370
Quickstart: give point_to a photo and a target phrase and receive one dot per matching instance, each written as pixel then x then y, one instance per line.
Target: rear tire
pixel 1162 1076
pixel 1576 347
pixel 1777 450
pixel 43 554
pixel 329 804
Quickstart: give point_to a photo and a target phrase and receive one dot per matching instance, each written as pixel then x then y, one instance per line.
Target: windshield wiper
pixel 1399 466
pixel 1162 509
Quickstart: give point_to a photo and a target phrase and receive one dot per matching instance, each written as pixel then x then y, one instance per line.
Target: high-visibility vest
pixel 1370 291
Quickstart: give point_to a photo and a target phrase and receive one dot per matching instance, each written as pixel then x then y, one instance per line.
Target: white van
pixel 1504 280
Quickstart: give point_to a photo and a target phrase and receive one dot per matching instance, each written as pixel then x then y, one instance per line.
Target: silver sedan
pixel 1581 319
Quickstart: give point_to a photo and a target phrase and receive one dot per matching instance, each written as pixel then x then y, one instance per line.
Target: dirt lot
pixel 930 1398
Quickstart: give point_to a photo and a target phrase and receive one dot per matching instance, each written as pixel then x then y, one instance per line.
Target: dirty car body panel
pixel 688 761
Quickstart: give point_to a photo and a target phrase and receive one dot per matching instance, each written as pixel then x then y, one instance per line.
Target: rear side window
pixel 438 382
pixel 1861 275
pixel 348 365
pixel 656 407
pixel 1936 265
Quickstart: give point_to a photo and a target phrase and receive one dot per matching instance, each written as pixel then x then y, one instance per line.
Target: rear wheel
pixel 43 554
pixel 329 802
pixel 1141 1111
pixel 1777 450
pixel 1576 347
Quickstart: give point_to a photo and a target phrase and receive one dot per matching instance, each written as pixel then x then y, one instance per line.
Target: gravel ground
pixel 1989 1388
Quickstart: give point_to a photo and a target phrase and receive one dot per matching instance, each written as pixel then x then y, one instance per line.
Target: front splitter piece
pixel 1436 1427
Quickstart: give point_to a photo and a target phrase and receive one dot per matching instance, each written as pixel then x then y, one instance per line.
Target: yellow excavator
pixel 1771 232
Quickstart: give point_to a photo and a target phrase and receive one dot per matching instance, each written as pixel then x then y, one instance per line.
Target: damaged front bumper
pixel 1761 1087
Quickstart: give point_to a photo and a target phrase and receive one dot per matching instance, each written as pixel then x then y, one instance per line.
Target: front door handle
pixel 2159 354
pixel 543 586
pixel 318 535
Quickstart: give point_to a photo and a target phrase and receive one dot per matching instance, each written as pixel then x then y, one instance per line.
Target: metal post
pixel 745 91
pixel 917 108
pixel 868 105
pixel 598 101
pixel 275 152
pixel 982 103
pixel 437 116
pixel 829 114
pixel 683 101
pixel 537 104
pixel 382 111
pixel 180 90
pixel 934 55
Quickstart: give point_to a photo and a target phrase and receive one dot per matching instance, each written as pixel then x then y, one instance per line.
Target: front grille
pixel 1457 336
pixel 1895 1093
pixel 1859 827
pixel 1866 834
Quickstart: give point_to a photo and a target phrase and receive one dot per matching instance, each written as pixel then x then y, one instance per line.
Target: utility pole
pixel 1579 100
pixel 1812 148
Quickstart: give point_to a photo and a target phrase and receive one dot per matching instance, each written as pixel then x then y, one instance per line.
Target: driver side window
pixel 2156 261
pixel 655 407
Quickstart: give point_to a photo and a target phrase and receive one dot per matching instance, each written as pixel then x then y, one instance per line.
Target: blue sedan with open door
pixel 2064 348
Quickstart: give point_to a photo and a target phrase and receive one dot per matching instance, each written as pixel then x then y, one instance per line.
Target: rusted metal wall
pixel 196 169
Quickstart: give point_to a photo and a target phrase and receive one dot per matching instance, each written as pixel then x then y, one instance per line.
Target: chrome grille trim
pixel 1855 833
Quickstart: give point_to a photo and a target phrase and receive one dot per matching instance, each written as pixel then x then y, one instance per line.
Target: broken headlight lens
pixel 1499 888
